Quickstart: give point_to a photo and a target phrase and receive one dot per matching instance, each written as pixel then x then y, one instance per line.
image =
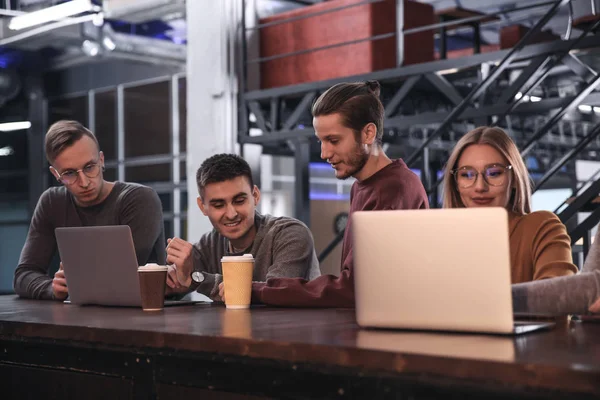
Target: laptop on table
pixel 100 266
pixel 439 269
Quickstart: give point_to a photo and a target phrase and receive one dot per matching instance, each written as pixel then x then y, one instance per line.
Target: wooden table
pixel 52 350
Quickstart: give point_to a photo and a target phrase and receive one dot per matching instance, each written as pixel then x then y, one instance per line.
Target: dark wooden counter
pixel 95 352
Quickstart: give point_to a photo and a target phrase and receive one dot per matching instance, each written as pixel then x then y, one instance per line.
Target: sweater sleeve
pixel 324 291
pixel 551 249
pixel 592 261
pixel 562 295
pixel 141 209
pixel 293 252
pixel 207 256
pixel 31 278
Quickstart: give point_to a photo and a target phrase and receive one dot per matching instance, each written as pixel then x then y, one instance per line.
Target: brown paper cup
pixel 237 279
pixel 153 279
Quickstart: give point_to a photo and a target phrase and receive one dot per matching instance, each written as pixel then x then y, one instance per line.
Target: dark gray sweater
pixel 283 248
pixel 564 295
pixel 127 204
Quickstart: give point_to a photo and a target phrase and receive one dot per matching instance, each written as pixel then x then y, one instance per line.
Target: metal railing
pixel 540 65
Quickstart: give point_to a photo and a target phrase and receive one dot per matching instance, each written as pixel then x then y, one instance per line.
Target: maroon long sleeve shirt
pixel 394 187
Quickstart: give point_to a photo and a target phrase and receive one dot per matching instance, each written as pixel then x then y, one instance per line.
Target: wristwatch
pixel 197 276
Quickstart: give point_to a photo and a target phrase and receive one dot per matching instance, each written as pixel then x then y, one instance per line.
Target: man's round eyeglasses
pixel 494 175
pixel 71 176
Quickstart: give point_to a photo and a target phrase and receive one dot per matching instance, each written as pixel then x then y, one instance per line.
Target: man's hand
pixel 222 291
pixel 173 285
pixel 595 307
pixel 180 254
pixel 59 284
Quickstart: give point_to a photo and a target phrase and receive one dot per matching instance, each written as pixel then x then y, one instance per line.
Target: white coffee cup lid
pixel 152 267
pixel 244 258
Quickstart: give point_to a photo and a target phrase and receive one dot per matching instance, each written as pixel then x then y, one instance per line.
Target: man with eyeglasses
pixel 84 199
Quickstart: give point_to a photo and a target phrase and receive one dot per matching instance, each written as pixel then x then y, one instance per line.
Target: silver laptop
pixel 100 266
pixel 442 269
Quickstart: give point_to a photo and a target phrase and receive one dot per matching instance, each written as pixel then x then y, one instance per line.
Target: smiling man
pixel 84 199
pixel 281 246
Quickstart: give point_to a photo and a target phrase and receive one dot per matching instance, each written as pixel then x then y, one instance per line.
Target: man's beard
pixel 356 161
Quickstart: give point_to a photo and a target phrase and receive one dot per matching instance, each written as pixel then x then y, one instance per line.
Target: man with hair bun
pixel 348 121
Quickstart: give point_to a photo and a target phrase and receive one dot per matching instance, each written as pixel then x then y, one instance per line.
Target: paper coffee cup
pixel 153 280
pixel 237 279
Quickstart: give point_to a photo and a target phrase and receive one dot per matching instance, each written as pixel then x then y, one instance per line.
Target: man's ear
pixel 54 172
pixel 369 133
pixel 201 205
pixel 256 195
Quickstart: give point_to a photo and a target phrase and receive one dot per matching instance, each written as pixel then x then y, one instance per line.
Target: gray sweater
pixel 564 295
pixel 283 247
pixel 127 204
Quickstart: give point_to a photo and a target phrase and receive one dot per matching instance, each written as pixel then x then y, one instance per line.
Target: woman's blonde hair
pixel 520 199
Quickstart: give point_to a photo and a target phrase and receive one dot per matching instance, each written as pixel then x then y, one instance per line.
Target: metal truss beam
pixel 404 72
pixel 557 165
pixel 429 118
pixel 526 75
pixel 579 202
pixel 559 114
pixel 578 67
pixel 280 136
pixel 400 95
pixel 258 114
pixel 555 60
pixel 583 231
pixel 275 104
pixel 302 107
pixel 405 122
pixel 485 83
pixel 445 87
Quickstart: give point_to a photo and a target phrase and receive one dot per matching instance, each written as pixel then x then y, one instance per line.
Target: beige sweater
pixel 540 247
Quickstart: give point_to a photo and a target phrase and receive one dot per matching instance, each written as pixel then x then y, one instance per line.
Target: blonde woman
pixel 485 169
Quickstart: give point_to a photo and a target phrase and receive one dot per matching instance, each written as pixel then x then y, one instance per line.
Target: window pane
pixel 147 120
pixel 106 123
pixel 182 115
pixel 75 108
pixel 149 173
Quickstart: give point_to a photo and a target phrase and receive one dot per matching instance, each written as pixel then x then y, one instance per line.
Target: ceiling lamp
pixel 14 126
pixel 49 14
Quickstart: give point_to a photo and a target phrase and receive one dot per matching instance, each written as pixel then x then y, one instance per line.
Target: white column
pixel 211 93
